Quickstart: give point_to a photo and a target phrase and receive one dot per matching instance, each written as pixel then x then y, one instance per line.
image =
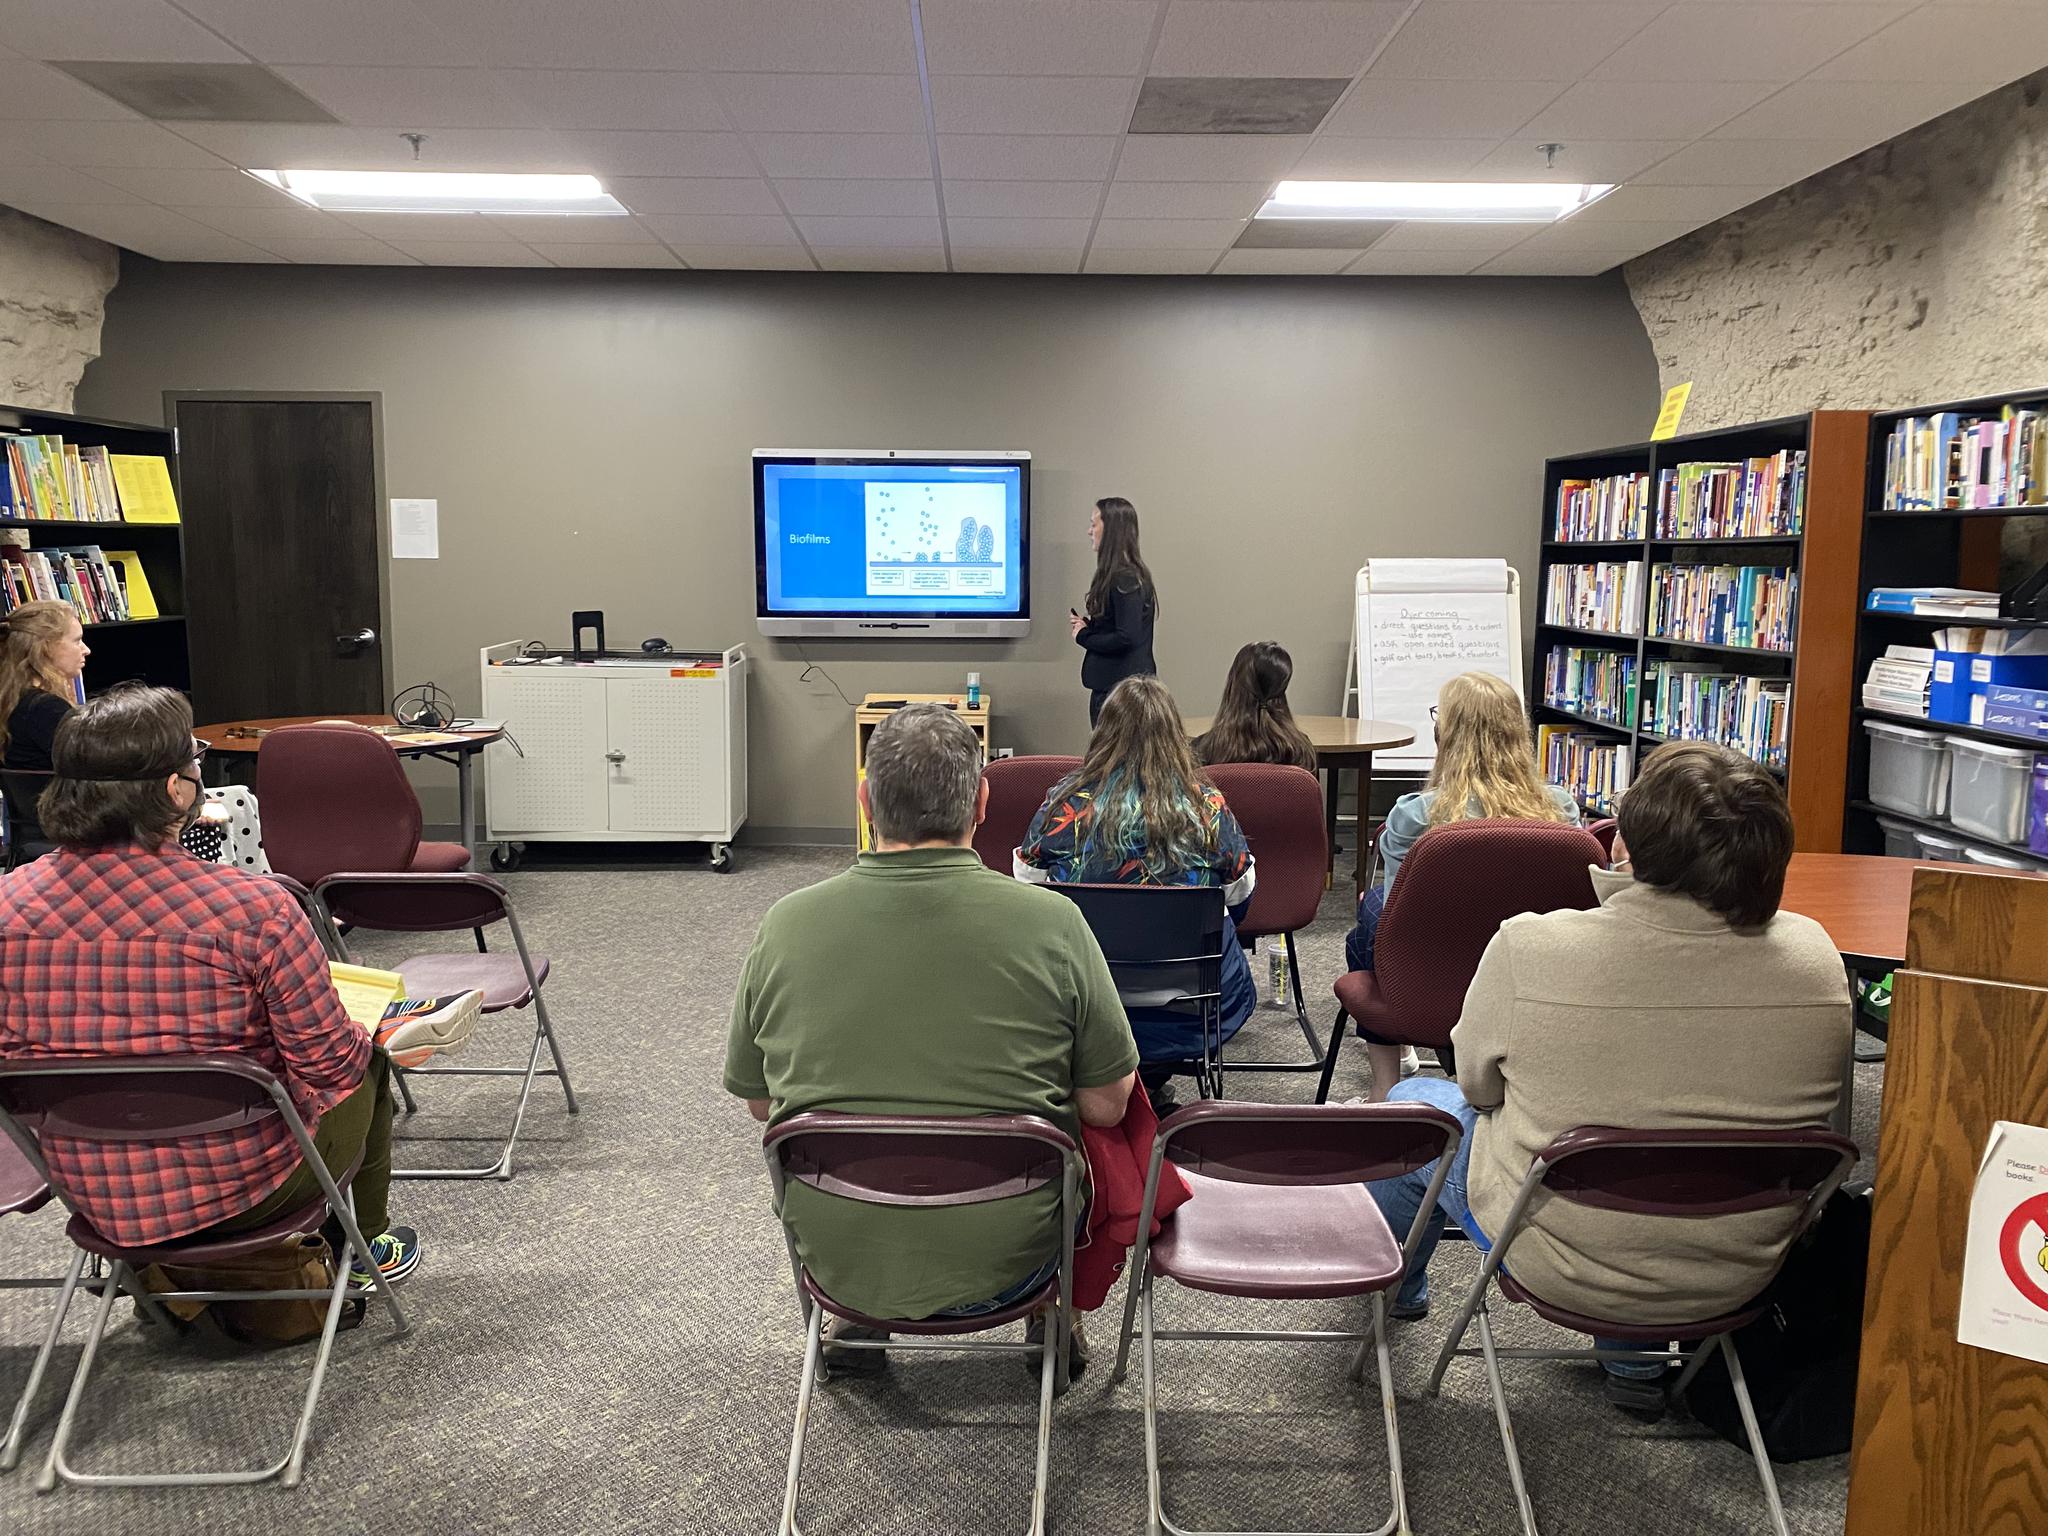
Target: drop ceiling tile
pixel 323 32
pixel 1581 160
pixel 752 258
pixel 208 248
pixel 971 233
pixel 572 228
pixel 1779 41
pixel 1380 262
pixel 579 255
pixel 421 97
pixel 900 156
pixel 692 194
pixel 1283 263
pixel 637 152
pixel 32 188
pixel 473 253
pixel 1185 199
pixel 140 31
pixel 262 225
pixel 1209 157
pixel 904 196
pixel 271 145
pixel 1022 199
pixel 868 37
pixel 1748 162
pixel 868 258
pixel 406 229
pixel 1552 263
pixel 341 251
pixel 91 145
pixel 1847 109
pixel 1627 109
pixel 1431 109
pixel 1947 43
pixel 1273 37
pixel 1037 37
pixel 1507 40
pixel 1476 240
pixel 757 230
pixel 1170 263
pixel 844 231
pixel 137 226
pixel 1025 157
pixel 1613 235
pixel 32 90
pixel 1031 103
pixel 661 100
pixel 1166 234
pixel 1700 204
pixel 1334 158
pixel 818 103
pixel 1026 260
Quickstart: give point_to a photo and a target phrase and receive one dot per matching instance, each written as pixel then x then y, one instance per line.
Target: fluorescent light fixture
pixel 443 192
pixel 1458 202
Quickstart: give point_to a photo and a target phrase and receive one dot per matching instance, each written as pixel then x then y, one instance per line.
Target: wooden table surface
pixel 1335 736
pixel 218 740
pixel 1863 900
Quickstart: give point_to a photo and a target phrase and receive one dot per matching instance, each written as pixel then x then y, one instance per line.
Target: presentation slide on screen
pixel 881 538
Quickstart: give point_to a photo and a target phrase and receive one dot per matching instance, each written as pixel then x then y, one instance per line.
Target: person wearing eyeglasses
pixel 42 656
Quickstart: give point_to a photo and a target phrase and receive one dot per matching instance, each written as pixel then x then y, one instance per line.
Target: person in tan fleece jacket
pixel 1685 1000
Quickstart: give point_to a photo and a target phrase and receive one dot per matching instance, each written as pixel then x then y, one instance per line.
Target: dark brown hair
pixel 1253 723
pixel 111 758
pixel 1707 822
pixel 1118 565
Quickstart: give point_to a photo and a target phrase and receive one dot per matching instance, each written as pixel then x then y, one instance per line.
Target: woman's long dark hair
pixel 1118 565
pixel 1253 723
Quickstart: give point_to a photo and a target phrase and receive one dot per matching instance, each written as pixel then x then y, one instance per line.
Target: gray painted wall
pixel 587 435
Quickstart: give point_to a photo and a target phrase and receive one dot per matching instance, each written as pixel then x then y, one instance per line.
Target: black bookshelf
pixel 151 650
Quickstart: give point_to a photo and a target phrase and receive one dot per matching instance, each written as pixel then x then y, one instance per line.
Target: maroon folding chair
pixel 1604 830
pixel 1280 1212
pixel 1458 884
pixel 113 1099
pixel 1280 808
pixel 1696 1175
pixel 1017 787
pixel 23 1190
pixel 931 1161
pixel 335 797
pixel 448 903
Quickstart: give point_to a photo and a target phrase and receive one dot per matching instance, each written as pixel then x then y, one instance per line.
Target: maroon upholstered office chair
pixel 919 1160
pixel 1694 1175
pixel 1456 887
pixel 112 1099
pixel 1280 808
pixel 1280 1212
pixel 335 797
pixel 1604 830
pixel 1017 787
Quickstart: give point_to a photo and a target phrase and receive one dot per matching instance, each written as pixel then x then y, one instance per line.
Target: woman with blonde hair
pixel 1485 770
pixel 42 654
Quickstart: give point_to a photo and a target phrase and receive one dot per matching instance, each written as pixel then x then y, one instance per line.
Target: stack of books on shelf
pixel 1934 602
pixel 1955 460
pixel 1685 702
pixel 1597 683
pixel 1898 681
pixel 45 479
pixel 1740 605
pixel 1752 499
pixel 1616 507
pixel 82 577
pixel 1605 595
pixel 1593 768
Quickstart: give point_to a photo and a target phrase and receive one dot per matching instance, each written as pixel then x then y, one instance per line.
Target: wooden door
pixel 281 539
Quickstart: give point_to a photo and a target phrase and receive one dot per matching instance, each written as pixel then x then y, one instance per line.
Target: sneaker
pixel 414 1028
pixel 838 1360
pixel 1411 1063
pixel 1408 1311
pixel 1643 1397
pixel 396 1252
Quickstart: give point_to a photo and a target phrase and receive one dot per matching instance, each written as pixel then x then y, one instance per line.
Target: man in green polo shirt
pixel 921 982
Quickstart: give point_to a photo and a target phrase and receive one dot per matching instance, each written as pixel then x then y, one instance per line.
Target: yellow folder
pixel 135 582
pixel 144 481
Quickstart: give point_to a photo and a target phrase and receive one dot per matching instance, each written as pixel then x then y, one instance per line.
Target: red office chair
pixel 1696 1175
pixel 1604 829
pixel 336 798
pixel 1456 887
pixel 1017 787
pixel 1280 808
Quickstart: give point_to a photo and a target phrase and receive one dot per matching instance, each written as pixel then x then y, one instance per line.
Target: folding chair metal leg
pixel 1756 1436
pixel 404 1089
pixel 1507 1425
pixel 1330 1057
pixel 17 1427
pixel 1702 1352
pixel 1051 1369
pixel 812 1349
pixel 547 1029
pixel 502 1168
pixel 1397 1522
pixel 1154 1503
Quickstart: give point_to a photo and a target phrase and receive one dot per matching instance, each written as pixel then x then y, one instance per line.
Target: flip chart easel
pixel 1416 625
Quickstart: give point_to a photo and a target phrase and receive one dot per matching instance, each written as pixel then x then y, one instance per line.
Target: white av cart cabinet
pixel 624 749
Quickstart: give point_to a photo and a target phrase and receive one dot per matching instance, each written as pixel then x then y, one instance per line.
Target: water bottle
pixel 1276 971
pixel 974 690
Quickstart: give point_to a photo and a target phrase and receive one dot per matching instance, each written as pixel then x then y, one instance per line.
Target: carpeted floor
pixel 609 1342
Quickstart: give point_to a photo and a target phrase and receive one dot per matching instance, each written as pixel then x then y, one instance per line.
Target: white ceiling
pixel 975 135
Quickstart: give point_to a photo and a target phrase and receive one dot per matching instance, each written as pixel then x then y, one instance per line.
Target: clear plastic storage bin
pixel 1995 860
pixel 1988 789
pixel 1949 850
pixel 1900 840
pixel 1908 769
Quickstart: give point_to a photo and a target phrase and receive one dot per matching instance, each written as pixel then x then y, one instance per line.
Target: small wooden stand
pixel 876 707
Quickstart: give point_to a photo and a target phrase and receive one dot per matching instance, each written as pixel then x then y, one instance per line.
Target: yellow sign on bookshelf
pixel 135 583
pixel 144 481
pixel 1674 407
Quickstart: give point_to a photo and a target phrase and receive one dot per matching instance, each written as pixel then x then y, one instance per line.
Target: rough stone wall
pixel 53 292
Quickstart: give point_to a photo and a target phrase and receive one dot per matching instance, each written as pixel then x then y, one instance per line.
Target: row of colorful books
pixel 93 582
pixel 1744 605
pixel 1613 507
pixel 45 479
pixel 1593 768
pixel 1593 682
pixel 1952 459
pixel 1750 499
pixel 1605 594
pixel 1688 702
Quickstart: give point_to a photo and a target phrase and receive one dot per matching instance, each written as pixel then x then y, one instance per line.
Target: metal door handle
pixel 360 640
pixel 615 757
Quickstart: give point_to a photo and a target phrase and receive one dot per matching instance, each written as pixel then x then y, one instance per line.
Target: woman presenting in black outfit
pixel 1116 630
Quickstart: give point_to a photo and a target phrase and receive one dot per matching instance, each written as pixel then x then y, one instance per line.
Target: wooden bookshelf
pixel 151 650
pixel 1925 547
pixel 1824 554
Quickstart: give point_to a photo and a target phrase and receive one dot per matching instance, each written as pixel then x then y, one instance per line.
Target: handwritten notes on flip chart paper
pixel 1421 623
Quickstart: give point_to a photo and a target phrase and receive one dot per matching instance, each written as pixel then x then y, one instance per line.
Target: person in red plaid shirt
pixel 122 943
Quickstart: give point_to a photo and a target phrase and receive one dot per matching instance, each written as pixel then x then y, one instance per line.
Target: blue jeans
pixel 1358 944
pixel 1400 1201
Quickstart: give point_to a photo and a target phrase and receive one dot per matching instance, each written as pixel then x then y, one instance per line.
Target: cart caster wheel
pixel 508 856
pixel 721 858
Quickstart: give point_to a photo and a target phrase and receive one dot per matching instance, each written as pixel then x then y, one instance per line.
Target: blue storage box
pixel 2021 722
pixel 2005 672
pixel 1948 691
pixel 2001 694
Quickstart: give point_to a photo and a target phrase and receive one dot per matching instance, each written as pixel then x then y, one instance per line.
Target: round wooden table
pixel 1864 901
pixel 246 736
pixel 1342 744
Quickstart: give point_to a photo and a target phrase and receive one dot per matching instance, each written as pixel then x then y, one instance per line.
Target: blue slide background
pixel 831 500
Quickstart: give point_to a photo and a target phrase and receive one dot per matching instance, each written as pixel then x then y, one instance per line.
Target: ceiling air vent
pixel 210 93
pixel 1231 105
